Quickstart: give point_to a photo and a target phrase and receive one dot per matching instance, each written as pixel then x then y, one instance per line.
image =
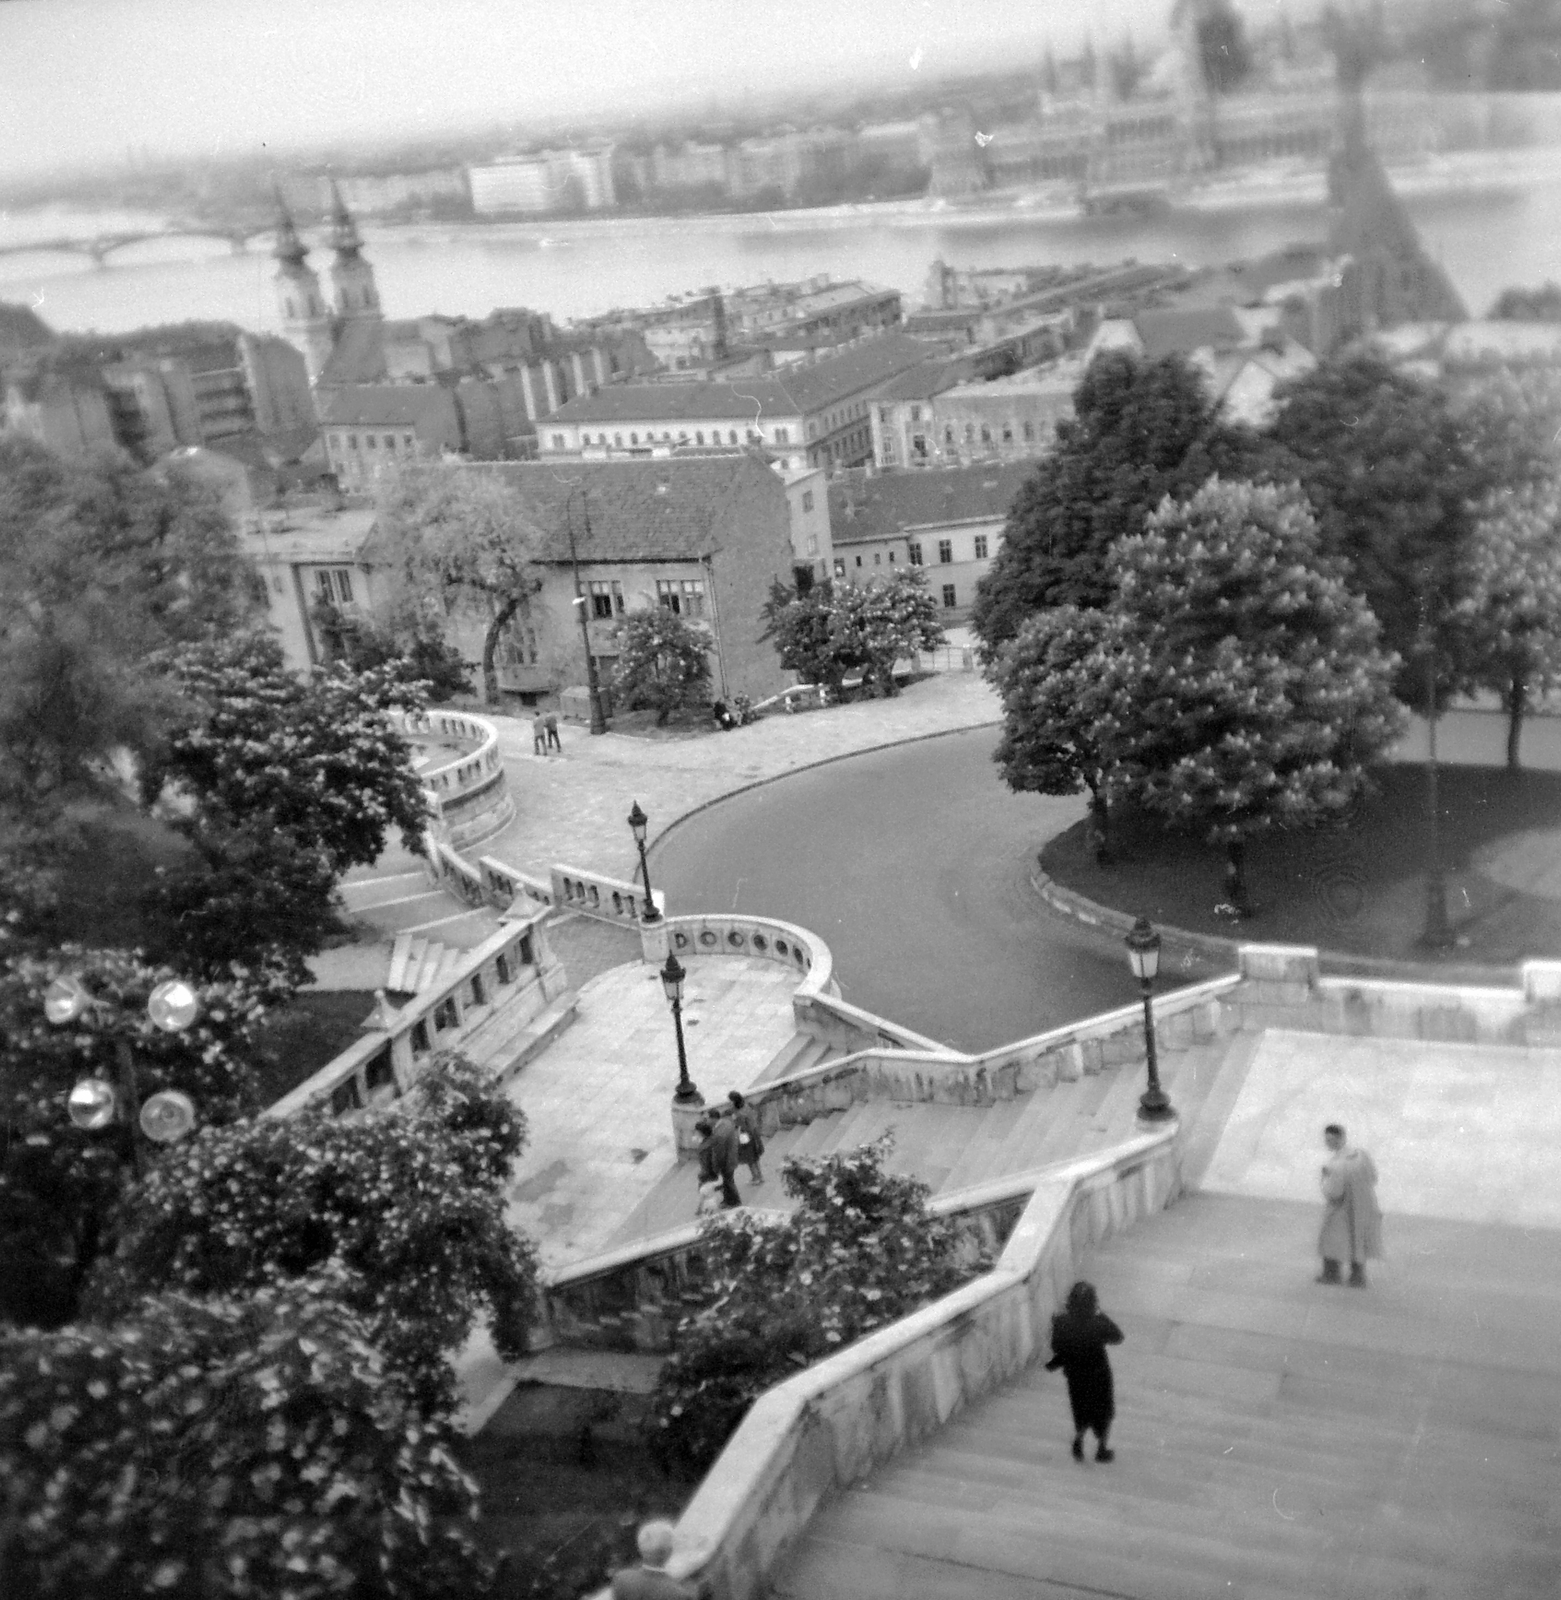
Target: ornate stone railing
pixel 467 790
pixel 835 1423
pixel 507 979
pixel 593 894
pixel 509 888
pixel 723 934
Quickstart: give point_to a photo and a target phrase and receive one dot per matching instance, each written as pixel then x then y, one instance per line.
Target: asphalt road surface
pixel 913 864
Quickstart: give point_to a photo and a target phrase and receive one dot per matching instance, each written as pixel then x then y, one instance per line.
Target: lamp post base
pixel 688 1094
pixel 1154 1105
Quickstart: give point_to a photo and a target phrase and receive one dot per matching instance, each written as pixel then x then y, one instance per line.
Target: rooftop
pixel 378 405
pixel 894 503
pixel 310 533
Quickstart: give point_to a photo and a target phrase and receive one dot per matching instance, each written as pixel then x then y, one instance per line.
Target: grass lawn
pixel 315 1028
pixel 565 1504
pixel 1358 887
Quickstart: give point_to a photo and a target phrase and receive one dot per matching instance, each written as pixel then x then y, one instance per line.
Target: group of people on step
pixel 728 1138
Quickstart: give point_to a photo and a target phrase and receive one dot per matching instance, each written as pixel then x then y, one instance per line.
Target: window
pixel 812 551
pixel 606 600
pixel 949 599
pixel 699 438
pixel 731 436
pixel 945 551
pixel 634 438
pixel 915 413
pixel 617 438
pixel 986 435
pixel 891 558
pixel 970 433
pixel 948 434
pixel 352 441
pixel 807 499
pixel 558 441
pixel 1029 431
pixel 840 567
pixel 913 552
pixel 783 436
pixel 683 597
pixel 1008 433
pixel 885 415
pixel 333 585
pixel 370 441
pixel 878 558
pixel 390 441
pixel 980 547
pixel 335 442
pixel 858 561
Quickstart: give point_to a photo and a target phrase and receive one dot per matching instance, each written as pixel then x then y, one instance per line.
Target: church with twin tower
pixel 307 321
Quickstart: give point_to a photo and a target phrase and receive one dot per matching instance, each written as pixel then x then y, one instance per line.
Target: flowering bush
pixel 663 663
pixel 409 1199
pixel 248 1449
pixel 860 1251
pixel 834 630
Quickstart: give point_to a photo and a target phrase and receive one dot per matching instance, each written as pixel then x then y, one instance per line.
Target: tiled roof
pixel 920 383
pixel 1180 332
pixel 359 355
pixel 378 405
pixel 896 502
pixel 21 328
pixel 668 509
pixel 795 392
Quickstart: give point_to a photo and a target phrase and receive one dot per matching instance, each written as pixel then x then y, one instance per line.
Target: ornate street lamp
pixel 672 976
pixel 1143 954
pixel 652 934
pixel 93 1103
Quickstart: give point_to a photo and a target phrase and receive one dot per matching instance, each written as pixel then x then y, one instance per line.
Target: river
pixel 573 269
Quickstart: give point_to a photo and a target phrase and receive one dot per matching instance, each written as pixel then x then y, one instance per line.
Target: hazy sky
pixel 89 79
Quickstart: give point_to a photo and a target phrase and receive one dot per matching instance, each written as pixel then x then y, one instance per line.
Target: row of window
pixel 950 592
pixel 333 586
pixel 371 441
pixel 751 436
pixel 946 550
pixel 684 597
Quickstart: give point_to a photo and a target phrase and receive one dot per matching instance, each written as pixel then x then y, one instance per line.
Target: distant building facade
pixel 551 181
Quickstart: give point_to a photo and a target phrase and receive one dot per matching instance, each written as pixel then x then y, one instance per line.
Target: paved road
pixel 914 865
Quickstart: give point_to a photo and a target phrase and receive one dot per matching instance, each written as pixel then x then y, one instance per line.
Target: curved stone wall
pixel 464 777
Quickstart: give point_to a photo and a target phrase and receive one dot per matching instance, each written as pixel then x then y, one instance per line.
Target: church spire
pixel 352 278
pixel 306 322
pixel 344 231
pixel 289 247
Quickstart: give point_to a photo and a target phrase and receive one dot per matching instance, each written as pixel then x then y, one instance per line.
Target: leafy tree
pixel 1391 471
pixel 663 662
pixel 409 1199
pixel 1529 305
pixel 1247 690
pixel 60 1187
pixel 1223 52
pixel 411 648
pixel 801 623
pixel 860 1251
pixel 466 537
pixel 226 1450
pixel 881 623
pixel 1511 419
pixel 1140 430
pixel 1512 607
pixel 1052 680
pixel 316 757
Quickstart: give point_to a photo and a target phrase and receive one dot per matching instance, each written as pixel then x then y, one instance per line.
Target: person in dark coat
pixel 1080 1334
pixel 725 1151
pixel 750 1145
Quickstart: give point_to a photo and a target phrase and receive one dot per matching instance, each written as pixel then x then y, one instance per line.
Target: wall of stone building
pixel 861 562
pixel 753 541
pixel 966 569
pixel 480 418
pixel 278 381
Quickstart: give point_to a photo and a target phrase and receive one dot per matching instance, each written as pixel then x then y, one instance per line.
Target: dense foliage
pixel 410 647
pixel 1529 305
pixel 60 1188
pixel 1245 686
pixel 1140 430
pixel 831 632
pixel 463 537
pixel 860 1251
pixel 663 663
pixel 244 1449
pixel 1511 608
pixel 409 1200
pixel 1054 692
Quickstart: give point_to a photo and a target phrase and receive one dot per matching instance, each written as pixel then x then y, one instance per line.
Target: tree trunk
pixel 1236 876
pixel 490 645
pixel 1099 828
pixel 1517 706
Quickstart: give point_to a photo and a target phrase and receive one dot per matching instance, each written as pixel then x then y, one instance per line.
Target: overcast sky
pixel 85 80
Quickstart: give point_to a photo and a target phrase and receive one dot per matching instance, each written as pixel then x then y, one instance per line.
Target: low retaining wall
pixel 837 1422
pixel 595 895
pixel 467 790
pixel 763 937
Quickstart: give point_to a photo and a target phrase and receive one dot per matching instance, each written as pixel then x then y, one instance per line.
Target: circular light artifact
pixel 173 1006
pixel 167 1115
pixel 64 1000
pixel 92 1104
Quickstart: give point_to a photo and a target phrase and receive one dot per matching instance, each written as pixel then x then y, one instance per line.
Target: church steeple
pixel 352 277
pixel 306 322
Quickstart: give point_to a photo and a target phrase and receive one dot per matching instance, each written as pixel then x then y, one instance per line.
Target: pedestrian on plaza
pixel 726 1151
pixel 538 735
pixel 650 1580
pixel 750 1145
pixel 1352 1219
pixel 550 722
pixel 1080 1334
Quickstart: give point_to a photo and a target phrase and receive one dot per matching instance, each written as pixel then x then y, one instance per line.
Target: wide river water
pixel 572 269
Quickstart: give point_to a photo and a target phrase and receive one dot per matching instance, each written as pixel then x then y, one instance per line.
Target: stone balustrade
pixel 467 788
pixel 722 934
pixel 838 1421
pixel 510 976
pixel 593 894
pixel 504 886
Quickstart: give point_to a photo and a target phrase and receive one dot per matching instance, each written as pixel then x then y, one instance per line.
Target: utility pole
pixel 593 687
pixel 1437 934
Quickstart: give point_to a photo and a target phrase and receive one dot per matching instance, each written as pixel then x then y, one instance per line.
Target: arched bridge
pixel 105 244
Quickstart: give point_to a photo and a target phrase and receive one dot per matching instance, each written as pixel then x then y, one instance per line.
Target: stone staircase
pixel 418 964
pixel 953 1146
pixel 1276 1439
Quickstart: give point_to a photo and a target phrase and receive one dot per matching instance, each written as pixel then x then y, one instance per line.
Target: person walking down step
pixel 1080 1333
pixel 1352 1219
pixel 725 1150
pixel 538 735
pixel 750 1145
pixel 651 1580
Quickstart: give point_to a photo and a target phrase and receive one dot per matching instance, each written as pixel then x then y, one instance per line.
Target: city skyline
pixel 83 81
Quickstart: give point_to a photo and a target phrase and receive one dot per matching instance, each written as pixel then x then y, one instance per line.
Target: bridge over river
pixel 101 247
